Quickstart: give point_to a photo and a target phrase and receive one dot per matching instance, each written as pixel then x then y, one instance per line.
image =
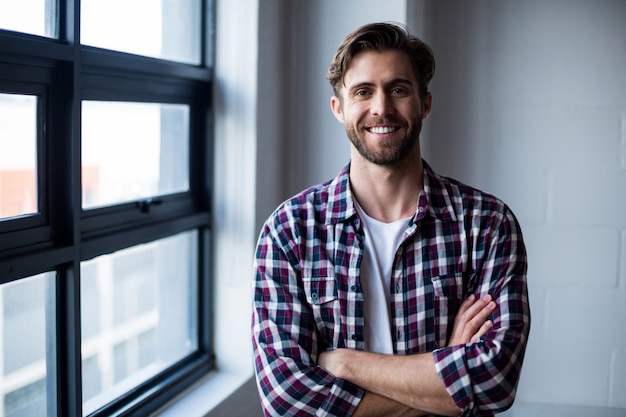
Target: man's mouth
pixel 382 129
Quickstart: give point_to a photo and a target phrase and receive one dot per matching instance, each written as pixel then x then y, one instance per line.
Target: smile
pixel 382 129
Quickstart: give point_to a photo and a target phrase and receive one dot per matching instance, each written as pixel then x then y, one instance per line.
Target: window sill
pixel 206 395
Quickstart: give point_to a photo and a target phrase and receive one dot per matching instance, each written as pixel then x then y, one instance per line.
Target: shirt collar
pixel 434 198
pixel 340 206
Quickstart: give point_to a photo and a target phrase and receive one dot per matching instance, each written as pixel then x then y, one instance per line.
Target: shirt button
pixel 354 288
pixel 399 335
pixel 397 288
pixel 314 297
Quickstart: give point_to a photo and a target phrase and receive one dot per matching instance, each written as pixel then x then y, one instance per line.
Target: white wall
pixel 234 195
pixel 530 104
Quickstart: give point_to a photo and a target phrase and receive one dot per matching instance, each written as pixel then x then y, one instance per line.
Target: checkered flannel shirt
pixel 308 298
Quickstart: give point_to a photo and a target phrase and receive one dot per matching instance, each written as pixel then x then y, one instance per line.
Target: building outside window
pixel 105 161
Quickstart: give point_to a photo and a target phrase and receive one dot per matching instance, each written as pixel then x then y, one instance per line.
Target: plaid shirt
pixel 307 296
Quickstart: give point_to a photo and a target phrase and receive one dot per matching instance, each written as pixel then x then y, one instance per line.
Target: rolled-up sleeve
pixel 285 339
pixel 482 377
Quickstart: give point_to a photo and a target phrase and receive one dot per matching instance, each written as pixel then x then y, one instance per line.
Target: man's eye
pixel 361 93
pixel 398 91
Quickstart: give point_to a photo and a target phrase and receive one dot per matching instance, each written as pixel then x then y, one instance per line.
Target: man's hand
pixel 471 323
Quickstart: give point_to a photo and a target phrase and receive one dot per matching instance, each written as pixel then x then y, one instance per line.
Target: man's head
pixel 382 37
pixel 380 76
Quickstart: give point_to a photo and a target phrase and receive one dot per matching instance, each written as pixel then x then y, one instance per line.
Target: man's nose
pixel 381 105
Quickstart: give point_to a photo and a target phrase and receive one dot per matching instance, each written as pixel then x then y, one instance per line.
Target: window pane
pixel 37 17
pixel 27 384
pixel 18 154
pixel 132 151
pixel 168 29
pixel 141 302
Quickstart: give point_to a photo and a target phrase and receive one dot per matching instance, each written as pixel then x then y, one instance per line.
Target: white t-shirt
pixel 381 244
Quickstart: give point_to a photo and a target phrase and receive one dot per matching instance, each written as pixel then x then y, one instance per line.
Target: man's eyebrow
pixel 359 85
pixel 395 81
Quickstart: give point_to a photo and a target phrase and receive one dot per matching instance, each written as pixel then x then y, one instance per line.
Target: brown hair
pixel 381 37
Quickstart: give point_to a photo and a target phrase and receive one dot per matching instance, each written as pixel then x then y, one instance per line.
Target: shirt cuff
pixel 452 369
pixel 343 399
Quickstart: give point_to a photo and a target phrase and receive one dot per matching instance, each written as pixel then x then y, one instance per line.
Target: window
pixel 105 175
pixel 18 121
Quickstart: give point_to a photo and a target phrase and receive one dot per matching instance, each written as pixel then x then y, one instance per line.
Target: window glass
pixel 132 151
pixel 37 17
pixel 141 302
pixel 18 154
pixel 167 29
pixel 27 341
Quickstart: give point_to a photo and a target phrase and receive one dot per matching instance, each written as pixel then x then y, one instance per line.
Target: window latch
pixel 144 205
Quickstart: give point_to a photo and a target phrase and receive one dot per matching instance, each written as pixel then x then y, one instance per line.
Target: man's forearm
pixel 374 405
pixel 410 380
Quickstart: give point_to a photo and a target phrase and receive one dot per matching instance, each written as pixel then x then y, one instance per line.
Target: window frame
pixel 63 73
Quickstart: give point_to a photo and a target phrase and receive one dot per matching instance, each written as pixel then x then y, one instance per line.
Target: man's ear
pixel 427 105
pixel 335 106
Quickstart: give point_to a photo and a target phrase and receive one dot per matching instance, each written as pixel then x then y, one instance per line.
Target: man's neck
pixel 387 193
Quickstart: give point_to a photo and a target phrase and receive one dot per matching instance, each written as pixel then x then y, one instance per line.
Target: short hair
pixel 381 37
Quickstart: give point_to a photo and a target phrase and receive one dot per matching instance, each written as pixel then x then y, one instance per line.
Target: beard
pixel 389 151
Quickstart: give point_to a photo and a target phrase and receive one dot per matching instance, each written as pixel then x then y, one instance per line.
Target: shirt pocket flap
pixel 320 290
pixel 448 286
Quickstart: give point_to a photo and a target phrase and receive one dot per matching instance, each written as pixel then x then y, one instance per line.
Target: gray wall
pixel 529 104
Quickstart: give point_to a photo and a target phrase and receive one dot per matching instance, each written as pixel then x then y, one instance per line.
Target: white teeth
pixel 381 130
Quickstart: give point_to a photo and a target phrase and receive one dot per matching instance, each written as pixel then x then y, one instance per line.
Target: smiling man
pixel 389 290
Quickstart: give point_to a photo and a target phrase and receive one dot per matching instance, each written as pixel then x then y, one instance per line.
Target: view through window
pixel 132 151
pixel 18 155
pixel 138 315
pixel 104 216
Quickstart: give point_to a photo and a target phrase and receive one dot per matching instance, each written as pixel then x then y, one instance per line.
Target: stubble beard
pixel 388 152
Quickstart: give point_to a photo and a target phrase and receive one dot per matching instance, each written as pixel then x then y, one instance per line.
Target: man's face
pixel 380 106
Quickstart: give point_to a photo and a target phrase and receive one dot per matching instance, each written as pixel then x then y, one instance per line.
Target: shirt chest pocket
pixel 448 292
pixel 320 290
pixel 321 295
pixel 448 286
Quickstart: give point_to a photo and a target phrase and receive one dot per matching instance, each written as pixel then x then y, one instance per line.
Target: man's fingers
pixel 482 331
pixel 471 321
pixel 476 312
pixel 467 303
pixel 483 310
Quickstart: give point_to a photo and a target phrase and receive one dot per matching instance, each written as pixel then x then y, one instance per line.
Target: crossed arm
pixel 407 385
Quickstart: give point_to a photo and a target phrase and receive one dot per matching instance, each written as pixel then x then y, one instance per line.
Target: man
pixel 389 290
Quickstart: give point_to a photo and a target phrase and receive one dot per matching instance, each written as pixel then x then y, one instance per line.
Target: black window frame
pixel 63 73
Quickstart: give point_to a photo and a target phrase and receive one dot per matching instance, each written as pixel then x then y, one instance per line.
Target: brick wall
pixel 530 104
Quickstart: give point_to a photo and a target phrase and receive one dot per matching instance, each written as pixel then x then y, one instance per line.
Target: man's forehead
pixel 376 67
